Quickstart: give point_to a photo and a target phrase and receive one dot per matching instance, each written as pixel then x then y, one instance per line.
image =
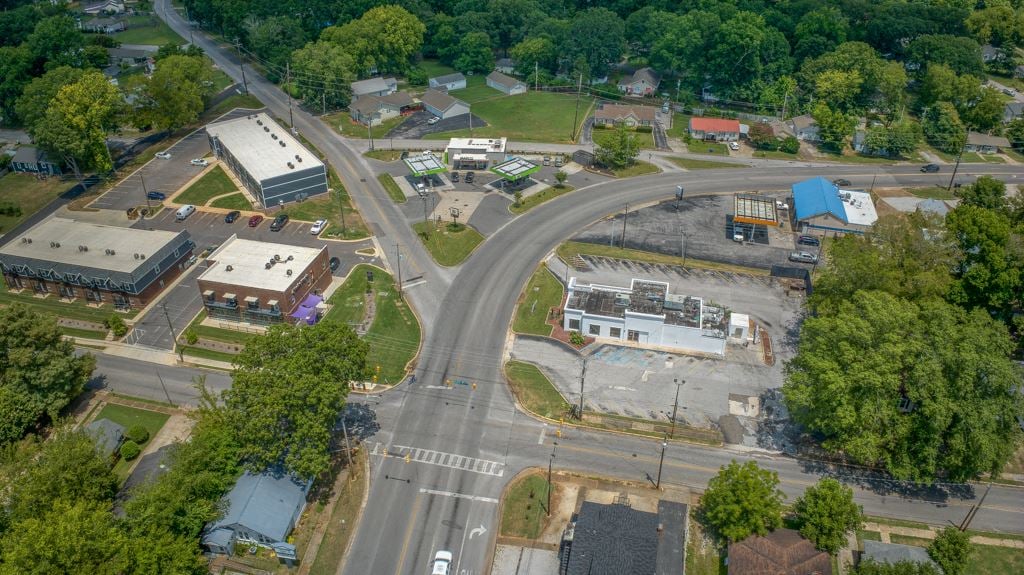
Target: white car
pixel 442 563
pixel 734 146
pixel 433 120
pixel 318 226
pixel 201 162
pixel 163 155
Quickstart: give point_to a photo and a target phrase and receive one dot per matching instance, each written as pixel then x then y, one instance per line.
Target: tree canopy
pixel 951 549
pixel 742 500
pixel 827 514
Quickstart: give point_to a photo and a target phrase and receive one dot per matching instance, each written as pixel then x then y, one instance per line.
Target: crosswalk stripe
pixel 442 459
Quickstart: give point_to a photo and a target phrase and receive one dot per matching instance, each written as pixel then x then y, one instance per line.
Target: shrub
pixel 191 337
pixel 5 160
pixel 644 129
pixel 576 338
pixel 9 209
pixel 130 450
pixel 116 324
pixel 138 434
pixel 519 198
pixel 417 76
pixel 790 145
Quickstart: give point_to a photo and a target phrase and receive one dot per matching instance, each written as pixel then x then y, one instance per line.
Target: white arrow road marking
pixel 477 531
pixel 459 495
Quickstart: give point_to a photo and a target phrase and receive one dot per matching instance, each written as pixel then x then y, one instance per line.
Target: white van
pixel 184 212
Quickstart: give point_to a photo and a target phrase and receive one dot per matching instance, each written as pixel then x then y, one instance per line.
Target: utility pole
pixel 471 122
pixel 678 83
pixel 576 116
pixel 369 134
pixel 241 64
pixel 348 446
pixel 174 338
pixel 661 463
pixel 288 87
pixel 682 244
pixel 398 266
pixel 974 509
pixel 955 168
pixel 675 407
pixel 873 178
pixel 536 72
pixel 551 461
pixel 583 376
pixel 323 98
pixel 167 395
pixel 424 196
pixel 625 216
pixel 149 206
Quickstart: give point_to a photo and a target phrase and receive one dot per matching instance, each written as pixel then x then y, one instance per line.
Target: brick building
pixel 102 264
pixel 264 283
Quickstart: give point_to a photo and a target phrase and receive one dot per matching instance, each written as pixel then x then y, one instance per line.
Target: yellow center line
pixel 408 534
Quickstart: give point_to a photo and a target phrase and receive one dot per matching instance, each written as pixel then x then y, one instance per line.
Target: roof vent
pixel 136 256
pixel 268 265
pixel 83 248
pixel 273 136
pixel 288 272
pixel 290 258
pixel 53 244
pixel 266 129
pixel 228 268
pixel 110 252
pixel 142 256
pixel 298 158
pixel 277 257
pixel 282 143
pixel 26 241
pixel 291 165
pixel 259 122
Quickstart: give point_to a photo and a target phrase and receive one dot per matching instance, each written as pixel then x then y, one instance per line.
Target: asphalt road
pixel 143 379
pixel 464 444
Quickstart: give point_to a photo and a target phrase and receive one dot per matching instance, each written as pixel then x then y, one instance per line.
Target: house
pixel 442 105
pixel 105 7
pixel 781 552
pixel 267 159
pixel 505 65
pixel 31 159
pixel 103 25
pixel 372 110
pixel 616 538
pixel 454 81
pixel 1012 111
pixel 125 58
pixel 263 283
pixel 1018 72
pixel 631 116
pixel 990 53
pixel 70 259
pixel 805 128
pixel 822 206
pixel 718 129
pixel 643 82
pixel 893 553
pixel 984 143
pixel 646 315
pixel 374 87
pixel 261 509
pixel 475 153
pixel 505 84
pixel 107 434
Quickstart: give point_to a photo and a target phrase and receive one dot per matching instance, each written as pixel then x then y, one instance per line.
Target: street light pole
pixel 955 168
pixel 675 407
pixel 551 461
pixel 174 338
pixel 583 376
pixel 661 462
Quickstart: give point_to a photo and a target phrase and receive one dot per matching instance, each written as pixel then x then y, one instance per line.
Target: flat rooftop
pixel 255 141
pixel 248 262
pixel 481 144
pixel 425 164
pixel 652 298
pixel 859 208
pixel 111 248
pixel 755 210
pixel 515 169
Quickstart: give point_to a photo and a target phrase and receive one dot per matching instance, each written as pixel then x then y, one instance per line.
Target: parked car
pixel 803 257
pixel 547 160
pixel 808 241
pixel 469 177
pixel 184 212
pixel 335 264
pixel 442 563
pixel 558 161
pixel 930 168
pixel 156 196
pixel 190 261
pixel 255 220
pixel 734 146
pixel 842 182
pixel 433 120
pixel 1008 91
pixel 738 236
pixel 279 223
pixel 317 227
pixel 455 176
pixel 201 162
pixel 232 216
pixel 781 205
pixel 163 155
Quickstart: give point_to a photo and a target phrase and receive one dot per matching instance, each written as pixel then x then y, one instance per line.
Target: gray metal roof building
pixel 614 539
pixel 894 553
pixel 271 163
pixel 261 508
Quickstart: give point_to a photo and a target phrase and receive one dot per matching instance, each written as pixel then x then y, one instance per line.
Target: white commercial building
pixel 646 314
pixel 475 153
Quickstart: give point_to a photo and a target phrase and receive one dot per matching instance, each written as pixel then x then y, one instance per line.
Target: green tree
pixel 534 51
pixel 274 39
pixel 744 51
pixel 15 68
pixel 985 112
pixel 943 128
pixel 328 70
pixel 31 107
pixel 820 31
pixel 892 87
pixel 848 57
pixel 475 53
pixel 951 549
pixel 763 137
pixel 827 514
pixel 837 89
pixel 742 500
pixel 73 537
pixel 919 389
pixel 986 192
pixel 870 567
pixel 1015 133
pixel 289 388
pixel 385 38
pixel 684 46
pixel 512 19
pixel 56 41
pixel 160 552
pixel 896 140
pixel 39 372
pixel 560 177
pixel 989 274
pixel 940 83
pixel 961 54
pixel 597 35
pixel 618 151
pixel 834 126
pixel 176 93
pixel 999 25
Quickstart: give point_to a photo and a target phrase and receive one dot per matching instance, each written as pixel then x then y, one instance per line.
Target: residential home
pixel 631 116
pixel 103 25
pixel 125 58
pixel 781 552
pixel 893 553
pixel 643 82
pixel 454 81
pixel 718 129
pixel 1012 111
pixel 260 509
pixel 985 143
pixel 805 128
pixel 990 53
pixel 107 435
pixel 821 206
pixel 505 65
pixel 443 105
pixel 31 159
pixel 372 110
pixel 617 538
pixel 506 84
pixel 105 7
pixel 378 86
pixel 1018 72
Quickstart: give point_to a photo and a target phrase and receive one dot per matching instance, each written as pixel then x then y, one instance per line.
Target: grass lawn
pixel 691 164
pixel 603 135
pixel 990 559
pixel 394 336
pixel 534 391
pixel 945 157
pixel 218 334
pixel 637 169
pixel 714 148
pixel 855 158
pixel 394 192
pixel 221 81
pixel 83 333
pixel 213 183
pixel 230 103
pixel 148 30
pixel 908 540
pixel 1010 152
pixel 343 521
pixel 130 417
pixel 531 117
pixel 342 124
pixel 976 158
pixel 570 249
pixel 384 155
pixel 29 194
pixel 933 192
pixel 233 202
pixel 543 292
pixel 448 247
pixel 524 510
pixel 775 155
pixel 328 209
pixel 680 126
pixel 702 559
pixel 539 198
pixel 435 68
pixel 208 354
pixel 73 310
pixel 476 90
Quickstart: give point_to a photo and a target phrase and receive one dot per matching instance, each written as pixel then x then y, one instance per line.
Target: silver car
pixel 803 257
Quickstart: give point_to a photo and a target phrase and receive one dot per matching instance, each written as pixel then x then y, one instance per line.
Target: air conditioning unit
pixel 290 258
pixel 277 257
pixel 259 122
pixel 266 129
pixel 228 268
pixel 268 265
pixel 83 248
pixel 288 272
pixel 136 256
pixel 142 256
pixel 273 136
pixel 282 143
pixel 291 165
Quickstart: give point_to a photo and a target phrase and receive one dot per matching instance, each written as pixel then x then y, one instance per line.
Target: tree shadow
pixel 881 483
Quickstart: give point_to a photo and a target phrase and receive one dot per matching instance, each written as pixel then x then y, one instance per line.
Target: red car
pixel 255 221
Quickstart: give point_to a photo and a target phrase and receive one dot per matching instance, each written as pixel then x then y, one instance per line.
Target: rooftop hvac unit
pixel 83 248
pixel 259 122
pixel 53 244
pixel 281 142
pixel 273 136
pixel 288 272
pixel 228 268
pixel 291 165
pixel 266 129
pixel 110 252
pixel 136 256
pixel 26 241
pixel 277 257
pixel 268 265
pixel 290 258
pixel 142 256
pixel 298 158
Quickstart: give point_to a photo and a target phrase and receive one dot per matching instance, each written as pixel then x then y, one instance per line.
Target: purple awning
pixel 307 309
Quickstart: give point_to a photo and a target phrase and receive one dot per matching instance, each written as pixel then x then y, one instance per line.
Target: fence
pixel 780 271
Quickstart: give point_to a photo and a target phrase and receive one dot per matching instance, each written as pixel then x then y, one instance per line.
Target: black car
pixel 930 168
pixel 279 223
pixel 232 216
pixel 841 182
pixel 335 264
pixel 469 177
pixel 455 176
pixel 156 196
pixel 808 241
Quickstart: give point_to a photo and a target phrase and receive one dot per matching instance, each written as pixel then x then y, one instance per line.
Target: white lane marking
pixel 414 284
pixel 540 440
pixel 459 496
pixel 444 459
pixel 435 387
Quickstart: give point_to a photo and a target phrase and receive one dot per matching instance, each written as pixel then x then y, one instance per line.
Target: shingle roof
pixel 267 503
pixel 933 206
pixel 400 99
pixel 979 139
pixel 439 100
pixel 647 74
pixel 28 155
pixel 613 539
pixel 803 122
pixel 371 85
pixel 366 105
pixel 781 552
pixel 714 125
pixel 815 197
pixel 894 553
pixel 449 78
pixel 503 79
pixel 619 112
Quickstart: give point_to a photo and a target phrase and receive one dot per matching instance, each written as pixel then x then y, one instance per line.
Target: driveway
pixel 416 126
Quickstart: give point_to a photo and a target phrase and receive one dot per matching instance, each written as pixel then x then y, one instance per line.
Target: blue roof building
pixel 261 508
pixel 821 206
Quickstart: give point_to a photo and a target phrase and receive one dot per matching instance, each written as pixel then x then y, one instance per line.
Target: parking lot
pixel 160 175
pixel 416 126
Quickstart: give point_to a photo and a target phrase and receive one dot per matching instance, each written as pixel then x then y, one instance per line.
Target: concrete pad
pixel 514 560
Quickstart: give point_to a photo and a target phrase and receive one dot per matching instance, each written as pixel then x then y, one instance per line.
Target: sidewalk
pixel 886 531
